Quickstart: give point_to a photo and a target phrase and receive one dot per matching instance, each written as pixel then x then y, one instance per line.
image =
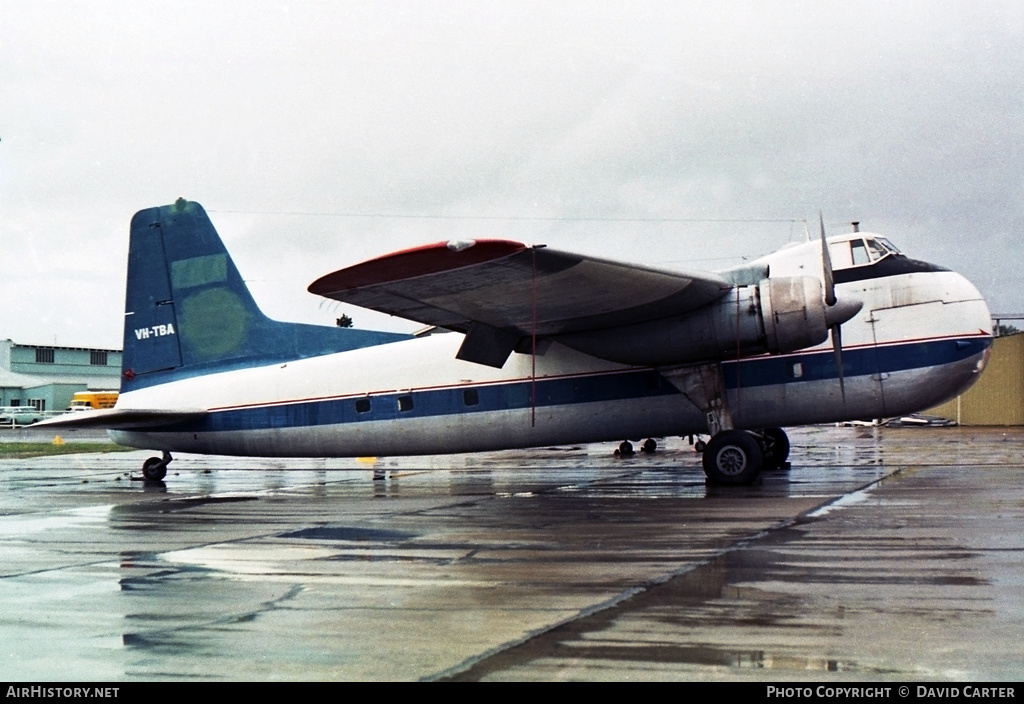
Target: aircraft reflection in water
pixel 548 347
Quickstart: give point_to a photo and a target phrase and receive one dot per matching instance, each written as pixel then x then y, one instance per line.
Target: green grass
pixel 20 450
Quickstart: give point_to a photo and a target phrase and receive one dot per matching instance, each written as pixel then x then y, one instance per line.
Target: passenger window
pixel 363 405
pixel 471 397
pixel 517 396
pixel 405 403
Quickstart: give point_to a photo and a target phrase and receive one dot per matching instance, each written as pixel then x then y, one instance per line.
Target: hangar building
pixel 46 377
pixel 998 397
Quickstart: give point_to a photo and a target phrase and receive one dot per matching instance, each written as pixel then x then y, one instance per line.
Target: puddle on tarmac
pixel 781 583
pixel 350 533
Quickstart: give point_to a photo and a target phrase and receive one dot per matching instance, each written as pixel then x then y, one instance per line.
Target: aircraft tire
pixel 777 446
pixel 650 445
pixel 732 457
pixel 154 469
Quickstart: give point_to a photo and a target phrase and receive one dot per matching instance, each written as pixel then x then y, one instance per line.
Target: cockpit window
pixel 876 250
pixel 888 245
pixel 860 252
pixel 869 251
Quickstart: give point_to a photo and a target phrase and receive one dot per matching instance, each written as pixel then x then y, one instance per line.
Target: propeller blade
pixel 837 352
pixel 826 266
pixel 835 316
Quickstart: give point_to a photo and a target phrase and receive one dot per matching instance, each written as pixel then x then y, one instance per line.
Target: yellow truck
pixel 92 400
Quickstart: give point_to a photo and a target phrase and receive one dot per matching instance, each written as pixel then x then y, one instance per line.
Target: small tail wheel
pixel 155 468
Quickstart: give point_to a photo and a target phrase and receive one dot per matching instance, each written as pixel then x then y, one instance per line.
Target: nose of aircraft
pixel 972 310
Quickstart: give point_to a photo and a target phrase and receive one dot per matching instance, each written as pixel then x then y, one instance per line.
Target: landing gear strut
pixel 155 468
pixel 731 456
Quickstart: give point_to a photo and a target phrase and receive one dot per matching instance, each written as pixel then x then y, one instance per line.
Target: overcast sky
pixel 321 134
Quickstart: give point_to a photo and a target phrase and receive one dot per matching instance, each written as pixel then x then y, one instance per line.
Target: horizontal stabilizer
pixel 122 419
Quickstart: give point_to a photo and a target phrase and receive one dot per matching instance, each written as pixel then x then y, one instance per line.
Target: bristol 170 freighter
pixel 544 347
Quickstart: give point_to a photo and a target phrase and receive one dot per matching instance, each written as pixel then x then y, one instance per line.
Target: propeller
pixel 837 312
pixel 826 265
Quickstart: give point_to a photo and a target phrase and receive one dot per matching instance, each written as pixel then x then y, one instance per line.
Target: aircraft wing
pixel 500 291
pixel 121 419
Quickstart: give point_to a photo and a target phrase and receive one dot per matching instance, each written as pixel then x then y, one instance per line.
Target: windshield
pixel 888 245
pixel 870 250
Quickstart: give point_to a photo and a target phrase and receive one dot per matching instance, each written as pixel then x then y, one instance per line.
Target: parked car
pixel 20 415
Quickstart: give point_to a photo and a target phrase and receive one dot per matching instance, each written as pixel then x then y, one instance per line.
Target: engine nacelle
pixel 793 310
pixel 776 315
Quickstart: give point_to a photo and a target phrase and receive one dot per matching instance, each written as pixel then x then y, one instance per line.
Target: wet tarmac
pixel 880 555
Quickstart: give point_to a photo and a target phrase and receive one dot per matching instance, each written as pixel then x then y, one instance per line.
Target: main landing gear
pixel 738 456
pixel 731 456
pixel 155 468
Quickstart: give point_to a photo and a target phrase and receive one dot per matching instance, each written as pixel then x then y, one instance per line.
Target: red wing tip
pixel 417 261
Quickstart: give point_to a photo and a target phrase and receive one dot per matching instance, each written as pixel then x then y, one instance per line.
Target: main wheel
pixel 154 469
pixel 732 457
pixel 777 446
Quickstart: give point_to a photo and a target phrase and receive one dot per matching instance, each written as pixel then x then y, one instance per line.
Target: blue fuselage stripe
pixel 633 384
pixel 861 361
pixel 628 385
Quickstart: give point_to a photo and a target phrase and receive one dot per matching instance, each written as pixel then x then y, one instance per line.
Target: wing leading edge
pixel 499 292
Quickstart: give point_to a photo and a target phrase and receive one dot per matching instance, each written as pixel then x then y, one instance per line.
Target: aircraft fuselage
pixel 921 337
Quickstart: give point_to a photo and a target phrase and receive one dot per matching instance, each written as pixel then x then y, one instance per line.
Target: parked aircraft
pixel 545 347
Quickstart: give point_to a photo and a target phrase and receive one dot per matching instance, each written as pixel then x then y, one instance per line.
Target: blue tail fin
pixel 188 311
